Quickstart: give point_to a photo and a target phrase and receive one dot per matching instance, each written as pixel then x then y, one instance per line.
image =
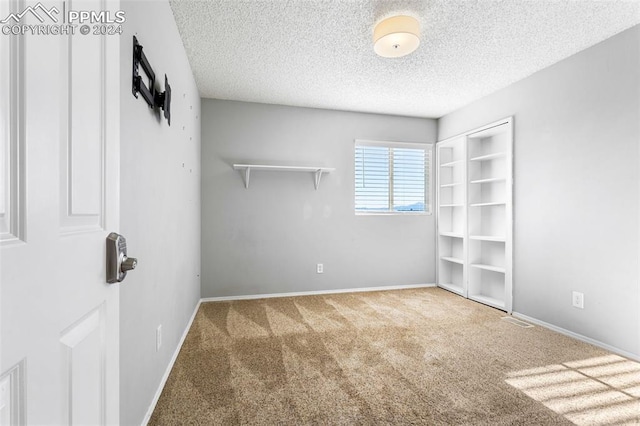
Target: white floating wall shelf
pixel 247 168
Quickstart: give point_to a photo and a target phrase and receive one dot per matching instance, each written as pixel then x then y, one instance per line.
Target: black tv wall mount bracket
pixel 154 98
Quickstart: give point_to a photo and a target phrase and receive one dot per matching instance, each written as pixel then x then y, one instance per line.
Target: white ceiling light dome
pixel 396 36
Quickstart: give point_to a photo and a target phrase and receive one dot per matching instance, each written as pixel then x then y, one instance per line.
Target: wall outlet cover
pixel 578 299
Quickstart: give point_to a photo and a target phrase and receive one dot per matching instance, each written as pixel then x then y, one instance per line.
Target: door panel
pixel 11 143
pixel 60 169
pixel 83 129
pixel 83 347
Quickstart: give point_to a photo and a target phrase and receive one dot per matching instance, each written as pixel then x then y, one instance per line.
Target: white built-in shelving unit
pixel 475 214
pixel 451 198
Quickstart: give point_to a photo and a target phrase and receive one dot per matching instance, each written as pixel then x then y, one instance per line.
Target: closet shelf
pixel 488 238
pixel 488 157
pixel 455 288
pixel 489 180
pixel 488 300
pixel 452 259
pixel 247 168
pixel 497 203
pixel 451 163
pixel 449 185
pixel 451 205
pixel 489 267
pixel 451 234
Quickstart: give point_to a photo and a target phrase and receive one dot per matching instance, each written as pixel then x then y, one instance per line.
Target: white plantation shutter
pixel 391 177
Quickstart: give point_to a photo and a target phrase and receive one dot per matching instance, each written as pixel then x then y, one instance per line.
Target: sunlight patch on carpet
pixel 594 391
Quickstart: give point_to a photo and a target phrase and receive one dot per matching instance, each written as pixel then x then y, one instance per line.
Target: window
pixel 392 177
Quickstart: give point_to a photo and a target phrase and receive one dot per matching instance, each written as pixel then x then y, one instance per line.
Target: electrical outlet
pixel 578 299
pixel 320 268
pixel 158 337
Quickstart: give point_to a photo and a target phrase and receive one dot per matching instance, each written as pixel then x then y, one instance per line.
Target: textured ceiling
pixel 319 53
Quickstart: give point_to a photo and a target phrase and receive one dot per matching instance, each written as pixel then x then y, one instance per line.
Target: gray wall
pixel 160 208
pixel 269 238
pixel 577 131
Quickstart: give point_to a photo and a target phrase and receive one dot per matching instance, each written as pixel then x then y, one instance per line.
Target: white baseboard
pixel 165 377
pixel 577 336
pixel 315 292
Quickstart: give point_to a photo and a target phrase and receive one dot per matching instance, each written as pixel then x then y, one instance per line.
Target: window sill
pixel 393 213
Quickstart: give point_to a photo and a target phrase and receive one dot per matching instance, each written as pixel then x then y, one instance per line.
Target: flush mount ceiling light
pixel 396 36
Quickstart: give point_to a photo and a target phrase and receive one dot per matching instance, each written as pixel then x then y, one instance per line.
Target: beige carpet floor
pixel 423 356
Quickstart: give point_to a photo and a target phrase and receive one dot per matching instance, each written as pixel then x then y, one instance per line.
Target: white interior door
pixel 59 111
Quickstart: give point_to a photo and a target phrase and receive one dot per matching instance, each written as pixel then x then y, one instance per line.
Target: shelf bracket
pixel 318 176
pixel 247 175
